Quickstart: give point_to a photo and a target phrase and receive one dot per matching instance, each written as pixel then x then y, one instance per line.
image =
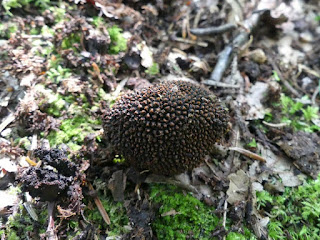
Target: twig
pixel 225 215
pixel 100 207
pixel 34 142
pixel 314 95
pixel 213 30
pixel 275 125
pixel 50 233
pixel 302 67
pixel 197 18
pixel 28 206
pixel 220 84
pixel 188 41
pixel 230 50
pixel 120 87
pixel 248 153
pixel 222 64
pixel 285 82
pixel 7 121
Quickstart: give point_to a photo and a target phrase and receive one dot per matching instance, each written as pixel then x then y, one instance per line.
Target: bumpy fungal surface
pixel 167 128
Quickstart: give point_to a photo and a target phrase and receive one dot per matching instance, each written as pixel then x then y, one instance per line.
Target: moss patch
pixel 22 226
pixel 295 213
pixel 73 131
pixel 118 42
pixel 189 218
pixel 192 220
pixel 116 212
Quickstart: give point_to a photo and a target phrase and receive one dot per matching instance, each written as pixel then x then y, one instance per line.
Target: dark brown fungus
pixel 167 128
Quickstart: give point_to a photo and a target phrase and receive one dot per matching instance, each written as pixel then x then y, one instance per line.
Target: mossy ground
pixel 117 213
pixel 189 218
pixel 22 226
pixel 295 213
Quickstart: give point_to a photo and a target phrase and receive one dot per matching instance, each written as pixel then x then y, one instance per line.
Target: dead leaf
pixel 239 187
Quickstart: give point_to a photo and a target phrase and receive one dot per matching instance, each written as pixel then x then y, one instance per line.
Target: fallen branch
pixel 248 153
pixel 284 81
pixel 7 121
pixel 275 125
pixel 50 233
pixel 188 41
pixel 100 207
pixel 232 49
pixel 213 30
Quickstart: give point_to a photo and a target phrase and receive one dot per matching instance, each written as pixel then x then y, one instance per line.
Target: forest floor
pixel 63 63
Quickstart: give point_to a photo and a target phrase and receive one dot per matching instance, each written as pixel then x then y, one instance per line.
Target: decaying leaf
pixel 238 187
pixel 304 149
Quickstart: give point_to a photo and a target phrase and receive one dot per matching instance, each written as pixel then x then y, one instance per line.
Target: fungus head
pixel 167 128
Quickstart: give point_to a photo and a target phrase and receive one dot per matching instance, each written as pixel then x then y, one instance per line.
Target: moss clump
pixel 22 226
pixel 116 212
pixel 193 219
pixel 70 41
pixel 295 213
pixel 56 106
pixel 118 42
pixel 153 70
pixel 298 115
pixel 73 131
pixel 167 128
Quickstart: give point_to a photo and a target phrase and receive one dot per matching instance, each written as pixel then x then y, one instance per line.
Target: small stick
pixel 100 207
pixel 285 82
pixel 225 215
pixel 220 84
pixel 188 41
pixel 226 55
pixel 248 153
pixel 7 121
pixel 314 95
pixel 197 18
pixel 34 142
pixel 213 30
pixel 50 233
pixel 275 125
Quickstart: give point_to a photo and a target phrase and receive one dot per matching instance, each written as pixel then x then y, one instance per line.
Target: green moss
pixel 116 212
pixel 13 236
pixel 253 143
pixel 59 12
pixel 73 131
pixel 118 42
pixel 8 5
pixel 56 106
pixel 97 21
pixel 295 213
pixel 58 74
pixel 238 236
pixel 118 159
pixel 23 142
pixel 70 41
pixel 298 115
pixel 235 236
pixel 21 224
pixel 276 76
pixel 153 70
pixel 193 219
pixel 7 29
